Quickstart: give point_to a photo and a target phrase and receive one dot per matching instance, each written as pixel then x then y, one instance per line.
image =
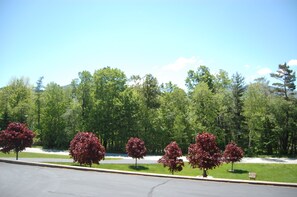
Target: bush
pixel 170 158
pixel 16 137
pixel 85 148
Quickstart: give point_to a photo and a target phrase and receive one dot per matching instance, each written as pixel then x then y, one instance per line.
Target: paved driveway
pixel 27 181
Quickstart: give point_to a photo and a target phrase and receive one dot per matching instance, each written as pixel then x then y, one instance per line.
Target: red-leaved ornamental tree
pixel 204 154
pixel 16 137
pixel 170 158
pixel 232 153
pixel 85 148
pixel 135 148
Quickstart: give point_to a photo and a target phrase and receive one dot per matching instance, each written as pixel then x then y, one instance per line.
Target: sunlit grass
pixel 41 155
pixel 265 172
pixel 35 155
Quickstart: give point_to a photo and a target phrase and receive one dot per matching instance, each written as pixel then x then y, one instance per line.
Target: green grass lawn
pixel 41 155
pixel 35 155
pixel 265 172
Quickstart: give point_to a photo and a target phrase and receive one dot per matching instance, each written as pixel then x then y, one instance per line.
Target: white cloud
pixel 176 72
pixel 292 63
pixel 264 71
pixel 181 63
pixel 247 66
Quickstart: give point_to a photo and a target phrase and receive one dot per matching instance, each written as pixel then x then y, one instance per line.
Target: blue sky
pixel 59 38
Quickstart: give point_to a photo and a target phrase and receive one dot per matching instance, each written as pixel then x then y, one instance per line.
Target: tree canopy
pixel 16 137
pixel 260 117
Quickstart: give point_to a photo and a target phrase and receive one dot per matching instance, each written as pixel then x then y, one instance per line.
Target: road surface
pixel 27 181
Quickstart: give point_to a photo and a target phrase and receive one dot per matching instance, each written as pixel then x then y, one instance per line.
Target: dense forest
pixel 260 117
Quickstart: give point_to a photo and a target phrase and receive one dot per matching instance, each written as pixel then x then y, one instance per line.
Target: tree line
pixel 259 117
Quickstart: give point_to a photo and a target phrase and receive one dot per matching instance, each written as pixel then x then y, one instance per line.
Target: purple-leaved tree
pixel 135 148
pixel 85 148
pixel 232 153
pixel 204 154
pixel 16 137
pixel 171 158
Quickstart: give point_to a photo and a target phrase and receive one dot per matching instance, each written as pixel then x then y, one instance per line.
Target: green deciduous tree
pixel 17 102
pixel 173 116
pixel 201 75
pixel 256 106
pixel 53 133
pixel 150 102
pixel 203 108
pixel 109 83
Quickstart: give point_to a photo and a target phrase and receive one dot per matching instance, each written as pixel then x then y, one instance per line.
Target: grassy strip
pixel 41 155
pixel 265 172
pixel 35 155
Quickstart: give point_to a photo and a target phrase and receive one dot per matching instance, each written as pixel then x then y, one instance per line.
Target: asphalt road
pixel 120 161
pixel 27 181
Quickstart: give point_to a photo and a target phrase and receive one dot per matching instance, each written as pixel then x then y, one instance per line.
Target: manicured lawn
pixel 35 155
pixel 265 172
pixel 42 155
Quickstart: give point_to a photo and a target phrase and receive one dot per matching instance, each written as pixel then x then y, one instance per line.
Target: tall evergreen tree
pixel 38 90
pixel 286 78
pixel 238 88
pixel 285 88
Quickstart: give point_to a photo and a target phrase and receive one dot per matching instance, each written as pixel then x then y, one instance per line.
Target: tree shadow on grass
pixel 238 171
pixel 138 168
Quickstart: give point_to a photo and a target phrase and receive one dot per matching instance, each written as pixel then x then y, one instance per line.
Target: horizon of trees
pixel 259 117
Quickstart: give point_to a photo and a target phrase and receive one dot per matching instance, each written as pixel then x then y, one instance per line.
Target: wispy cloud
pixel 264 71
pixel 177 71
pixel 292 63
pixel 181 63
pixel 247 66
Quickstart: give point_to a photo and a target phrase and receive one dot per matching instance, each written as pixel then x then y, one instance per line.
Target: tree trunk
pixel 17 155
pixel 136 162
pixel 204 173
pixel 232 166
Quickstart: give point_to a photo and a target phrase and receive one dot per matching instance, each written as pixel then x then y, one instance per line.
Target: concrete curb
pixel 281 184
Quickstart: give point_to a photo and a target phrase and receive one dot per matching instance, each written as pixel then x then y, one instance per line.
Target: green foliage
pixel 201 75
pixel 238 88
pixel 173 117
pixel 203 109
pixel 286 77
pixel 259 118
pixel 16 103
pixel 53 133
